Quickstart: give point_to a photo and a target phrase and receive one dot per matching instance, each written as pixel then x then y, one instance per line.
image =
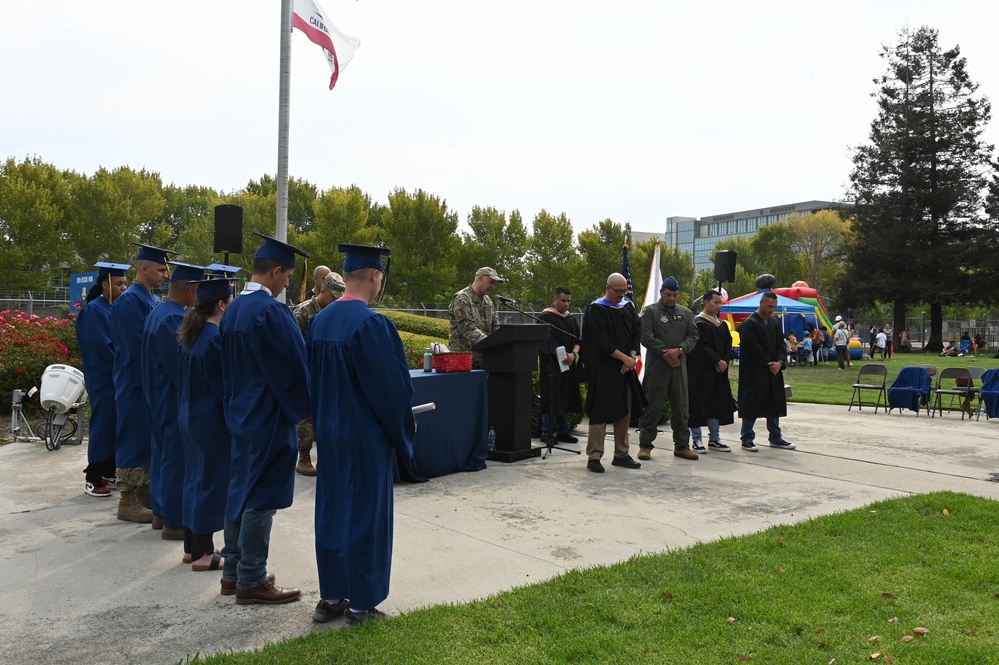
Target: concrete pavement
pixel 79 586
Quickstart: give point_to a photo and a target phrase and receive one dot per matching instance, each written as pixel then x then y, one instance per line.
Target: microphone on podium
pixel 506 301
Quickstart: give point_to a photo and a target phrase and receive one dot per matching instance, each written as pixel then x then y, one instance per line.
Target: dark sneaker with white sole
pixel 326 612
pixel 698 447
pixel 785 445
pixel 749 447
pixel 718 446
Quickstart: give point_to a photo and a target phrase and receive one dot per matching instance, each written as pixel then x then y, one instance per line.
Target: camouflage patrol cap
pixel 490 273
pixel 334 283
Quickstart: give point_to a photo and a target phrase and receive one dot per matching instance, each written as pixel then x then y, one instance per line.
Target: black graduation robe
pixel 709 391
pixel 606 328
pixel 761 394
pixel 565 385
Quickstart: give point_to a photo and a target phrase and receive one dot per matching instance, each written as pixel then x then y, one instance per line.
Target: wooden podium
pixel 510 356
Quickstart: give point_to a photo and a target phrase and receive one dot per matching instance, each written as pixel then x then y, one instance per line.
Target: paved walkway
pixel 79 586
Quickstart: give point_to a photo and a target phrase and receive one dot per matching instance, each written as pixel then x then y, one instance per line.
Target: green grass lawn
pixel 826 384
pixel 835 589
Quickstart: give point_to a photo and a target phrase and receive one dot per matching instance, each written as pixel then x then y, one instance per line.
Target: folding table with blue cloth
pixel 910 390
pixel 452 437
pixel 989 394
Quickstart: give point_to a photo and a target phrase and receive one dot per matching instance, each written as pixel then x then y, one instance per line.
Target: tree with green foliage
pixel 496 242
pixel 342 215
pixel 920 184
pixel 33 199
pixel 552 260
pixel 302 196
pixel 421 232
pixel 820 240
pixel 600 247
pixel 112 209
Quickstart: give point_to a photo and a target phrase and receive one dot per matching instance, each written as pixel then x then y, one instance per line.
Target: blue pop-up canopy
pixel 752 303
pixel 785 306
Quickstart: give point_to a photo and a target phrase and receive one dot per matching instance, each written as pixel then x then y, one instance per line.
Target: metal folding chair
pixel 955 374
pixel 873 372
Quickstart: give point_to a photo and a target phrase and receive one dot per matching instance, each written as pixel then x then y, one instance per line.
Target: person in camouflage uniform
pixel 332 287
pixel 472 314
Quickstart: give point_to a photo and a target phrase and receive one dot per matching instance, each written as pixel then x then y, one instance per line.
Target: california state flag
pixel 339 48
pixel 651 296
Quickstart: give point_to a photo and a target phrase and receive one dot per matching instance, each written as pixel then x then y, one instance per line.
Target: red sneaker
pixel 96 490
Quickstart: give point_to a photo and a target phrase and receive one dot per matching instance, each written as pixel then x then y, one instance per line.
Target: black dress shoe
pixel 565 437
pixel 595 466
pixel 326 612
pixel 626 462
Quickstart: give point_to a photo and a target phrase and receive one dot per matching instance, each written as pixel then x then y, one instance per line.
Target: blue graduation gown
pixel 160 358
pixel 359 367
pixel 127 316
pixel 266 394
pixel 93 332
pixel 207 446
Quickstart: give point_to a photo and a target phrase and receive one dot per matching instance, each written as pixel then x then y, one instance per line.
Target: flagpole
pixel 284 105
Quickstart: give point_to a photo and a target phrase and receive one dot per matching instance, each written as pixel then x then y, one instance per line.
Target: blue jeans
pixel 561 424
pixel 695 432
pixel 773 427
pixel 247 543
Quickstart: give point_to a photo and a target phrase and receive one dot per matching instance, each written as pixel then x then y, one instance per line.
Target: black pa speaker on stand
pixel 725 266
pixel 228 230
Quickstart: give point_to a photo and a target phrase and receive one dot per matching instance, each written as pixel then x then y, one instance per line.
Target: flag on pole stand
pixel 309 17
pixel 626 271
pixel 651 296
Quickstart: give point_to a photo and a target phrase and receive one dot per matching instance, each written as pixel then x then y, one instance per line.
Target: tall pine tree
pixel 919 185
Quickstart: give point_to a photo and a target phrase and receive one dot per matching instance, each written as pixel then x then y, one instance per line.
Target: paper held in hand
pixel 560 354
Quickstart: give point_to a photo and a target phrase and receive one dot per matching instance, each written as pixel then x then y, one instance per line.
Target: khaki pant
pixel 596 433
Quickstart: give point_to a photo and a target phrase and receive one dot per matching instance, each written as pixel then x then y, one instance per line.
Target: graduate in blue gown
pixel 160 364
pixel 266 395
pixel 207 446
pixel 93 332
pixel 362 412
pixel 132 451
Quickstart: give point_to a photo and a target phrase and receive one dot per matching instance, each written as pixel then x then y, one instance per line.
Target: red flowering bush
pixel 29 344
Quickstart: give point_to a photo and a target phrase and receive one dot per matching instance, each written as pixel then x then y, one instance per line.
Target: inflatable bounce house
pixel 797 306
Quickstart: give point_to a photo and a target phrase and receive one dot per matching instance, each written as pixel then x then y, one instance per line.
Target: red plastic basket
pixel 452 362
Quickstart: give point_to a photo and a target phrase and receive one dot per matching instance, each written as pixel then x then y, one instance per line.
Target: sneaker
pixel 785 445
pixel 595 466
pixel 96 490
pixel 645 453
pixel 110 483
pixel 326 612
pixel 718 446
pixel 626 462
pixel 355 618
pixel 565 437
pixel 698 447
pixel 685 453
pixel 749 447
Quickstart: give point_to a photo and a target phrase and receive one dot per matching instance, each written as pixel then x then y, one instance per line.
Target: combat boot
pixel 305 463
pixel 130 510
pixel 143 497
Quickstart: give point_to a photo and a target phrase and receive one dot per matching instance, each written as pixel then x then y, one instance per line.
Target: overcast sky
pixel 633 110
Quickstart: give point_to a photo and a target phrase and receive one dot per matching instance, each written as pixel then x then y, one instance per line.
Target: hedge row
pixel 420 325
pixel 415 346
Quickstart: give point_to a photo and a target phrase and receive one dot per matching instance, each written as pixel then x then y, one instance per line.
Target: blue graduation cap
pixel 363 256
pixel 106 270
pixel 222 270
pixel 275 250
pixel 154 254
pixel 213 286
pixel 185 272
